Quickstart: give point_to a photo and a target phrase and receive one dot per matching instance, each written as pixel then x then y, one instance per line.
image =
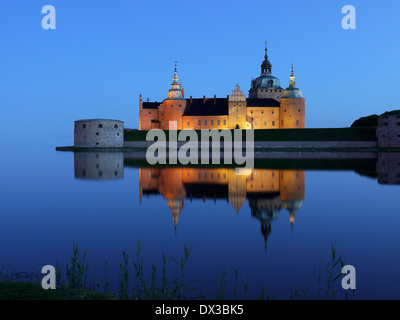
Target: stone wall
pixel 99 133
pixel 388 132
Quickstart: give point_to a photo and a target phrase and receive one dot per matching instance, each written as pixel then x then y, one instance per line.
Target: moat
pixel 274 224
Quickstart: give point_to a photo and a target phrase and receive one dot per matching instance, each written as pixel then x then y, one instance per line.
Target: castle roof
pixel 150 105
pixel 207 107
pixel 262 103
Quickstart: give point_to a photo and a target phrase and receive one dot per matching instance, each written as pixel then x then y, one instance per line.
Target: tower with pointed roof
pixel 292 109
pixel 266 86
pixel 172 108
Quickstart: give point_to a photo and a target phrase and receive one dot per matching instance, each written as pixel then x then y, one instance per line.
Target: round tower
pixel 174 106
pixel 292 109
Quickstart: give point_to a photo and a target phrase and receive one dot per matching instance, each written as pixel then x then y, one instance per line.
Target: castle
pixel 267 107
pixel 268 191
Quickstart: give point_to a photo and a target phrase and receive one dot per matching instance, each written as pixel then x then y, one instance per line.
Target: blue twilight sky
pixel 104 53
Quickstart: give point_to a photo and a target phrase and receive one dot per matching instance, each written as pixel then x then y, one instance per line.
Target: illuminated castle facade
pixel 268 106
pixel 268 191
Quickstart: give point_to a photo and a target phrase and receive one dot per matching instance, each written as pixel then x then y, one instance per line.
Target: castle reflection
pixel 99 165
pixel 268 191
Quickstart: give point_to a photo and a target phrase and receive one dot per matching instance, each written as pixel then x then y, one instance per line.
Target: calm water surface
pixel 275 224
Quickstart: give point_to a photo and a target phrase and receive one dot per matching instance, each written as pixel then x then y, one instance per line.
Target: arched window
pixel 115 126
pixel 100 126
pixel 84 126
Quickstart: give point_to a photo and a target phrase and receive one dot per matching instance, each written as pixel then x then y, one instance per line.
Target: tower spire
pixel 292 77
pixel 266 66
pixel 175 93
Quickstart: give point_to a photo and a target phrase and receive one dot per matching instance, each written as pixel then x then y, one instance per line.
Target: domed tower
pixel 266 86
pixel 292 191
pixel 173 107
pixel 292 110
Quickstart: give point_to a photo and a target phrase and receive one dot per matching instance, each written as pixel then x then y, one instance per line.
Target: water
pixel 275 225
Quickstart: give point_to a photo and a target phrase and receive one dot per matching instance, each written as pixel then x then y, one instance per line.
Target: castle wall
pixel 264 117
pixel 388 131
pixel 266 94
pixel 205 122
pixel 99 133
pixel 237 114
pixel 173 111
pixel 292 184
pixel 263 180
pixel 292 113
pixel 146 115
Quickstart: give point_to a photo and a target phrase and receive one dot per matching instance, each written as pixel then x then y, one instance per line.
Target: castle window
pixel 162 114
pixel 234 104
pixel 97 143
pixel 299 110
pixel 219 122
pixel 212 122
pixel 272 112
pixel 251 112
pixel 199 122
pixel 224 122
pixel 205 122
pixel 273 123
pixel 282 122
pixel 118 134
pixel 265 123
pixel 162 123
pixel 285 110
pixel 115 126
pixel 180 106
pixel 149 123
pixel 297 122
pixel 100 126
pixel 84 126
pixel 255 123
pixel 240 104
pixel 97 133
pixel 188 124
pixel 149 112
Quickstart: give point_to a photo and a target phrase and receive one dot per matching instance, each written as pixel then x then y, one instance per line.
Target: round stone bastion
pixel 99 133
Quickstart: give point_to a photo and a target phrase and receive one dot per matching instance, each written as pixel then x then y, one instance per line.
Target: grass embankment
pixel 18 290
pixel 135 283
pixel 328 134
